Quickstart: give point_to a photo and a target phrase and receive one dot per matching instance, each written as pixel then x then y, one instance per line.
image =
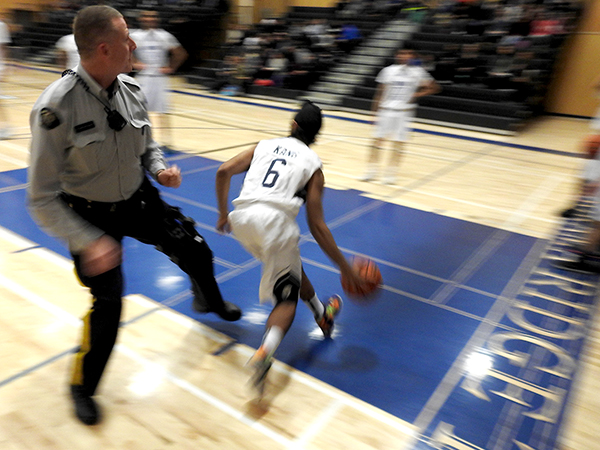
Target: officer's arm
pixel 47 164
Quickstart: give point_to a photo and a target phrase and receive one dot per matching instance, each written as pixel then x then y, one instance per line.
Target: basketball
pixel 368 271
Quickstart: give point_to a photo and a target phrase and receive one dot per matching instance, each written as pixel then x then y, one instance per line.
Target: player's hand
pixel 100 256
pixel 223 225
pixel 355 282
pixel 166 70
pixel 170 177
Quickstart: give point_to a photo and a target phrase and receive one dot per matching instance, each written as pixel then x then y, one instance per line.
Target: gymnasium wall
pixel 579 66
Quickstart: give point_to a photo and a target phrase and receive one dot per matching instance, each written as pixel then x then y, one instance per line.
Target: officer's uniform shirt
pixel 279 170
pixel 74 150
pixel 400 82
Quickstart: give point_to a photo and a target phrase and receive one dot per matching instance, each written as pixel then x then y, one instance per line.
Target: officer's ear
pixel 103 48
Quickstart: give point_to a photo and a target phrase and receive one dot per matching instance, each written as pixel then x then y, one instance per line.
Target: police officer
pixel 91 149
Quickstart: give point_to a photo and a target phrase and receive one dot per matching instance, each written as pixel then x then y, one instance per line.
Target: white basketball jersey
pixel 400 83
pixel 153 48
pixel 279 171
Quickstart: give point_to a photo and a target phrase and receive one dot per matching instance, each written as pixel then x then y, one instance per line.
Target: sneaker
pixel 332 309
pixel 260 363
pixel 86 409
pixel 228 311
pixel 389 179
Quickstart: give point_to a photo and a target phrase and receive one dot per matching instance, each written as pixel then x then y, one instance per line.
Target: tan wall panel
pixel 589 20
pixel 572 92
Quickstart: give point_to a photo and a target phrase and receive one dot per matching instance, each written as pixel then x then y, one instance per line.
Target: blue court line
pixel 33 247
pixel 40 365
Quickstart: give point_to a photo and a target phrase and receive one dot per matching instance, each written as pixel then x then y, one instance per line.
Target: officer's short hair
pixel 92 25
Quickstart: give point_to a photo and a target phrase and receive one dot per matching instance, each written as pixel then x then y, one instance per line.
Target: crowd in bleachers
pixel 497 44
pixel 294 52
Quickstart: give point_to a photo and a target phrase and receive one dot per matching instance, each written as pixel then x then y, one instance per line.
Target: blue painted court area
pixel 451 289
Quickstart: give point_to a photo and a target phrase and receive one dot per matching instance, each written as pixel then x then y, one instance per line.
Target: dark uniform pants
pixel 146 218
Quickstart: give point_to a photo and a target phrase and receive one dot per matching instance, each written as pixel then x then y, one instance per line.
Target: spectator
pixel 349 37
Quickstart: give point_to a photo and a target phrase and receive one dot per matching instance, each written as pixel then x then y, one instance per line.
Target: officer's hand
pixel 170 177
pixel 100 256
pixel 223 225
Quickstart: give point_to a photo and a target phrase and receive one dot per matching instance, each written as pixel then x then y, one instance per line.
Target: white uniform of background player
pixel 398 86
pixel 158 54
pixel 5 131
pixel 68 55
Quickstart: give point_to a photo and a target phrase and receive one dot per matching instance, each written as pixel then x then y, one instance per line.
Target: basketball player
pixel 282 173
pixel 398 88
pixel 5 129
pixel 158 54
pixel 67 53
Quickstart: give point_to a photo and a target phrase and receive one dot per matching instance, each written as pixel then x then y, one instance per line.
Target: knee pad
pixel 287 288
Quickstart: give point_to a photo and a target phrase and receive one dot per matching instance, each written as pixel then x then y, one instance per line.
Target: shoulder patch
pixel 49 119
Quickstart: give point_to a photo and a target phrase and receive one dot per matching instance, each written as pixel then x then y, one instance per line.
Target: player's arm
pixel 377 97
pixel 178 57
pixel 428 88
pixel 322 233
pixel 238 164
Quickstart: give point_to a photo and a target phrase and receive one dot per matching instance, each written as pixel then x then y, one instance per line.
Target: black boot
pixel 228 311
pixel 86 409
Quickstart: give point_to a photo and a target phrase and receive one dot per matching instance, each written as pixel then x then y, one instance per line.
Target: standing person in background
pixel 5 130
pixel 158 55
pixel 399 86
pixel 67 55
pixel 282 174
pixel 91 155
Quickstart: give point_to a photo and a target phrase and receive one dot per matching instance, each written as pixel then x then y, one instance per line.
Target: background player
pixel 398 88
pixel 158 54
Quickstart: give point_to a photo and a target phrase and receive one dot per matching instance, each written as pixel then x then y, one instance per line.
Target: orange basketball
pixel 369 271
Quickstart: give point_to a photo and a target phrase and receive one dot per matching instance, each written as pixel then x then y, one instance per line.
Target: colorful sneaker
pixel 260 363
pixel 332 309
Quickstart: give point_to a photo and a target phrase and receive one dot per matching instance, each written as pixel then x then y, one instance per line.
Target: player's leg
pixel 379 133
pixel 324 314
pixel 391 170
pixel 399 135
pixel 373 161
pixel 286 291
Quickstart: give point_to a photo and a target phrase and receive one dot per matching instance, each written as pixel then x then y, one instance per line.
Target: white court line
pixel 543 191
pixel 339 398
